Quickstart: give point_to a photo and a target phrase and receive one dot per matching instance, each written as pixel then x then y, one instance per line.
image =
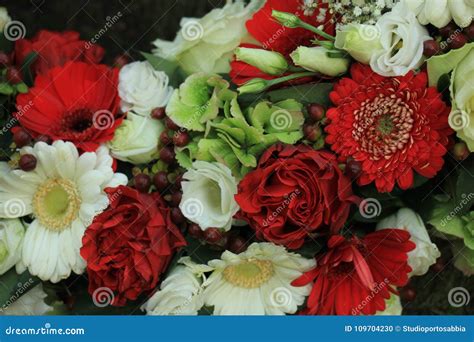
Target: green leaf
pixel 6 89
pixel 445 63
pixel 13 286
pixel 22 88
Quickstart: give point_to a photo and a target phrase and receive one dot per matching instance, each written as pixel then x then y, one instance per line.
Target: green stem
pixel 319 32
pixel 291 77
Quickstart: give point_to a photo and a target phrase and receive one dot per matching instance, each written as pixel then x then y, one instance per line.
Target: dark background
pixel 142 21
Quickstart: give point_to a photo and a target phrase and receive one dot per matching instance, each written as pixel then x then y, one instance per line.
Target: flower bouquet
pixel 277 157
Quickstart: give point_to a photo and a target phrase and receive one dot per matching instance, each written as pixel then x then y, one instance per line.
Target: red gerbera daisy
pixel 356 276
pixel 77 102
pixel 391 125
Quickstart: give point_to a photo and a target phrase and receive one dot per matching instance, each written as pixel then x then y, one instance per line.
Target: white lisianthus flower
pixel 393 307
pixel 136 139
pixel 11 241
pixel 4 18
pixel 64 193
pixel 142 88
pixel 208 195
pixel 425 254
pixel 180 293
pixel 440 12
pixel 206 44
pixel 402 38
pixel 30 304
pixel 359 40
pixel 257 281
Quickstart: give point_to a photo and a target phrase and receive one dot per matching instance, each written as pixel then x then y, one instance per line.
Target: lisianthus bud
pixel 272 63
pixel 254 86
pixel 361 41
pixel 286 19
pixel 317 59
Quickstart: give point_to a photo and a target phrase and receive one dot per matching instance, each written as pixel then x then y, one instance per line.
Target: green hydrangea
pixel 228 134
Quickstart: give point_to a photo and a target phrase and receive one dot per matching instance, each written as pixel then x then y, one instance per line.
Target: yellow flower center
pixel 249 274
pixel 56 204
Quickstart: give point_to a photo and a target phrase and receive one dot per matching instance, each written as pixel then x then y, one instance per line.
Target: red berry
pixel 171 125
pixel 167 154
pixel 237 245
pixel 177 216
pixel 448 30
pixel 438 266
pixel 460 151
pixel 353 168
pixel 14 75
pixel 160 180
pixel 312 132
pixel 4 59
pixel 176 199
pixel 408 293
pixel 431 48
pixel 27 162
pixel 43 138
pixel 458 41
pixel 158 113
pixel 142 182
pixel 212 235
pixel 316 112
pixel 181 138
pixel 21 138
pixel 195 231
pixel 469 31
pixel 120 61
pixel 165 138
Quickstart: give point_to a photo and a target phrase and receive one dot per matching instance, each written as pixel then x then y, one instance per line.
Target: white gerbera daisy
pixel 257 281
pixel 64 193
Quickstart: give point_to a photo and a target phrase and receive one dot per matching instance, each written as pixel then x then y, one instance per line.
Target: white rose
pixel 180 293
pixel 142 88
pixel 425 254
pixel 30 304
pixel 4 18
pixel 11 241
pixel 440 12
pixel 402 38
pixel 136 139
pixel 206 44
pixel 208 195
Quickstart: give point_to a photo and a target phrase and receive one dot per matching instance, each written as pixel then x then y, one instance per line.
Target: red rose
pixel 294 193
pixel 130 245
pixel 55 49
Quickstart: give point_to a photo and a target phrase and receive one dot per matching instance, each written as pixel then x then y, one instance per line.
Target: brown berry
pixel 408 293
pixel 316 112
pixel 460 151
pixel 195 231
pixel 165 139
pixel 438 266
pixel 27 162
pixel 160 180
pixel 237 245
pixel 312 132
pixel 176 199
pixel 431 48
pixel 142 182
pixel 177 216
pixel 21 138
pixel 212 235
pixel 448 30
pixel 120 61
pixel 167 154
pixel 181 138
pixel 469 32
pixel 458 41
pixel 171 125
pixel 353 168
pixel 4 59
pixel 14 75
pixel 158 113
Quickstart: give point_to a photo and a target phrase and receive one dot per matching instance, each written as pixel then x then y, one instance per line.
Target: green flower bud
pixel 286 19
pixel 317 59
pixel 272 63
pixel 255 86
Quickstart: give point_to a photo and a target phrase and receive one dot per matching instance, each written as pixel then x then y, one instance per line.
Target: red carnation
pixel 55 49
pixel 130 245
pixel 295 192
pixel 356 276
pixel 77 102
pixel 391 125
